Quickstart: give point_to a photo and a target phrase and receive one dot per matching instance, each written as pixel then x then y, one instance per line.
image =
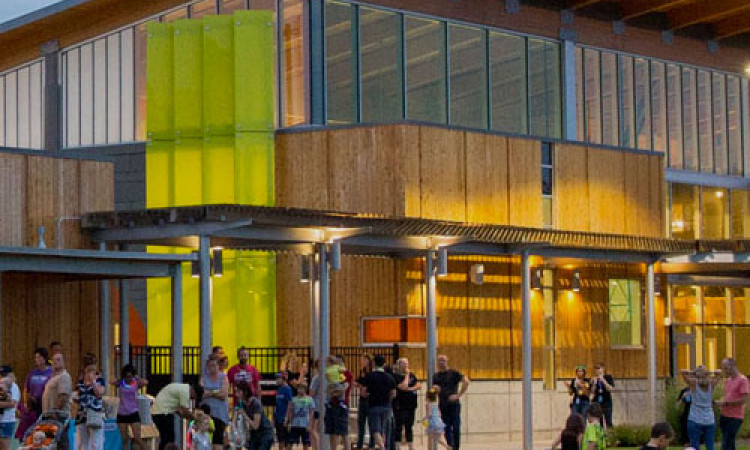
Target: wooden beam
pixel 637 8
pixel 732 26
pixel 705 11
pixel 580 4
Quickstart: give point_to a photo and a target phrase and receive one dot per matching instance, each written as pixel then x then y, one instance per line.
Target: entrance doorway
pixel 684 356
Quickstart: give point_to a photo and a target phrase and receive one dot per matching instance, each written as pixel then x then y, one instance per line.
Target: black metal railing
pixel 155 362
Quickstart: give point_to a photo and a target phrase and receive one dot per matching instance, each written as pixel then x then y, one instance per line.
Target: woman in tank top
pixel 216 396
pixel 127 412
pixel 701 423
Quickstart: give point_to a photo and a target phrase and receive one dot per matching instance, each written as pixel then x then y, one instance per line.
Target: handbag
pixel 94 419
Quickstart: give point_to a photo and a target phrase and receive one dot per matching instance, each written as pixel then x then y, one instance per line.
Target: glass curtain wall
pixel 707 212
pixel 695 115
pixel 396 66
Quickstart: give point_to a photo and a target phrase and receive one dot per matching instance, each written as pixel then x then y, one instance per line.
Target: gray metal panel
pixel 40 14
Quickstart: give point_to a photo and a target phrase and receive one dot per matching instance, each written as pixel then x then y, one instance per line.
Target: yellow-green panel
pixel 254 70
pixel 218 75
pixel 186 172
pixel 218 170
pixel 159 85
pixel 188 78
pixel 256 292
pixel 159 183
pixel 159 311
pixel 254 168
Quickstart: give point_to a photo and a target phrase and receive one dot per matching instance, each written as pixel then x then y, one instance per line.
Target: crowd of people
pixel 387 407
pixel 591 410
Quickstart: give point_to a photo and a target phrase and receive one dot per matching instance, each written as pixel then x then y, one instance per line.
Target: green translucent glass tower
pixel 210 128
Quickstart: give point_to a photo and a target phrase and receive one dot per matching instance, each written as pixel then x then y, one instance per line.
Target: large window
pixel 708 212
pixel 625 313
pixel 21 106
pixel 694 114
pixel 396 66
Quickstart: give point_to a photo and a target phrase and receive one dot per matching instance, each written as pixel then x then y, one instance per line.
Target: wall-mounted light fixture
pixel 536 279
pixel 575 281
pixel 442 262
pixel 304 269
pixel 218 262
pixel 477 273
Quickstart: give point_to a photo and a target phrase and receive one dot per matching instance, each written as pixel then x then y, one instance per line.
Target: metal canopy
pixel 297 230
pixel 89 264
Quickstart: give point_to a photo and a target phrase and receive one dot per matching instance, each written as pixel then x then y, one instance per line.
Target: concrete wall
pixel 491 411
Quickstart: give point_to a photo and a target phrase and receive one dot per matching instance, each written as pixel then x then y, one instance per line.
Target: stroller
pixel 52 425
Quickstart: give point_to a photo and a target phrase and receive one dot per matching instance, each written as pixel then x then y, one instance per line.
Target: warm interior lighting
pixel 747 69
pixel 304 272
pixel 719 194
pixel 678 225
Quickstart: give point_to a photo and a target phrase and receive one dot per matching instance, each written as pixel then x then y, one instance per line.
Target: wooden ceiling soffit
pixel 705 11
pixel 632 9
pixel 732 26
pixel 579 4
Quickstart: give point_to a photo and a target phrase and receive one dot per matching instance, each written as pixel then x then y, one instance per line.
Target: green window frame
pixel 625 313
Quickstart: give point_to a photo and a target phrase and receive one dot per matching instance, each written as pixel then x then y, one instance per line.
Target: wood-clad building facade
pixel 611 118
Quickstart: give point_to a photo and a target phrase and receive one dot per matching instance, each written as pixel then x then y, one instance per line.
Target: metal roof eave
pixel 39 14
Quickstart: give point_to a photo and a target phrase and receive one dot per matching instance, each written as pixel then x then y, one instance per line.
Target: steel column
pixel 105 320
pixel 325 332
pixel 311 261
pixel 177 323
pixel 204 263
pixel 570 104
pixel 124 323
pixel 652 407
pixel 430 295
pixel 526 388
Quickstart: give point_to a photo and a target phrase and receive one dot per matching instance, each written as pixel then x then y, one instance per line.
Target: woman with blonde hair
pixel 701 422
pixel 405 404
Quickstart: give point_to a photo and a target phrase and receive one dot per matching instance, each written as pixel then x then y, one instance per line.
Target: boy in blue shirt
pixel 283 398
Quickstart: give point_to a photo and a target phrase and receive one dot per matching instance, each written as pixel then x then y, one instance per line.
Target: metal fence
pixel 155 362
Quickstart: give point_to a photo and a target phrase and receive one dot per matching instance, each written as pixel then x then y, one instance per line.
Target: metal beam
pixel 706 11
pixel 177 324
pixel 632 9
pixel 651 308
pixel 593 254
pixel 166 231
pixel 86 268
pixel 702 280
pixel 731 26
pixel 275 234
pixel 526 384
pixel 709 258
pixel 204 264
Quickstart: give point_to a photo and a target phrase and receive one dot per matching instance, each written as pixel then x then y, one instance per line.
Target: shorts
pixel 129 418
pixel 282 432
pixel 298 434
pixel 7 429
pixel 376 417
pixel 336 420
pixel 219 427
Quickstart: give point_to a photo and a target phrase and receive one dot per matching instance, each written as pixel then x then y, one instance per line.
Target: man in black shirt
pixel 450 408
pixel 601 391
pixel 661 435
pixel 381 388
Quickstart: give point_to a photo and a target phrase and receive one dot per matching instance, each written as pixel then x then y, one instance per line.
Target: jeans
pixel 696 431
pixel 730 426
pixel 261 442
pixel 378 418
pixel 405 421
pixel 362 411
pixel 581 408
pixel 607 410
pixel 89 438
pixel 451 413
pixel 165 424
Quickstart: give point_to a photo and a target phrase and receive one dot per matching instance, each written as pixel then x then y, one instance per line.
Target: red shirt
pixel 734 389
pixel 244 374
pixel 349 379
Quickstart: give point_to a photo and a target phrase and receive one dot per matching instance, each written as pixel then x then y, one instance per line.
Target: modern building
pixel 616 128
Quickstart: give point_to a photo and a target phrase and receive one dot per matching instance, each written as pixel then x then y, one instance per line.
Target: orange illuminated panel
pixel 378 331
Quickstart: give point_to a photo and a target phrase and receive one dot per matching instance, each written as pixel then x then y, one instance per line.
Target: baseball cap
pixel 5 370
